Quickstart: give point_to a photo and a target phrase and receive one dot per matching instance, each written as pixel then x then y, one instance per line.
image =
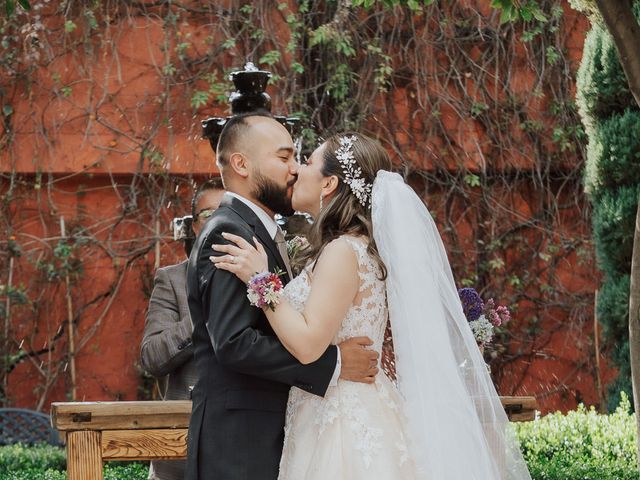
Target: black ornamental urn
pixel 249 96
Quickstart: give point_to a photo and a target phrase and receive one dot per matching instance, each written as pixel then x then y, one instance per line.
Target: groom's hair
pixel 232 133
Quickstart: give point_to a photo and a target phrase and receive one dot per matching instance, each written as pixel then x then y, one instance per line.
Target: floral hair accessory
pixel 352 172
pixel 264 290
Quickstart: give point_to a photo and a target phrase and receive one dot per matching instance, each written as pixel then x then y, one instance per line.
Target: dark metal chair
pixel 18 425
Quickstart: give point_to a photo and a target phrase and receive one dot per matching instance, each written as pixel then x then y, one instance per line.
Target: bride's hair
pixel 344 214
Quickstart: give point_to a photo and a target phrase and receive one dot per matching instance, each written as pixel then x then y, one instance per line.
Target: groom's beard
pixel 273 196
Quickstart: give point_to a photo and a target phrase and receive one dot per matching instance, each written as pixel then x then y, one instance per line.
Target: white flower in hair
pixel 352 172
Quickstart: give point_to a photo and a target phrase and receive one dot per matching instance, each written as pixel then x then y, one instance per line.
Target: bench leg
pixel 84 455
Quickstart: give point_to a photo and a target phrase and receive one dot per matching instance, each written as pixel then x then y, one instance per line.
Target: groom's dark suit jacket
pixel 244 372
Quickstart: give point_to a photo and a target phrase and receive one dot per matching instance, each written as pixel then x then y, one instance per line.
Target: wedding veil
pixel 458 426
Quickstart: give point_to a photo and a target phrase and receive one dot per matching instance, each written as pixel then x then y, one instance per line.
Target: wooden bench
pixel 103 431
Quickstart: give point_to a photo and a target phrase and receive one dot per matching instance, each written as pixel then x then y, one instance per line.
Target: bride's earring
pixel 321 200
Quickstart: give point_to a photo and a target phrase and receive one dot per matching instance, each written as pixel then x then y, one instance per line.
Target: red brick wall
pixel 77 155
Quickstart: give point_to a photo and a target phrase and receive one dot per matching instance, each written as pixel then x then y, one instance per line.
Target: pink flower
pixel 263 290
pixel 504 314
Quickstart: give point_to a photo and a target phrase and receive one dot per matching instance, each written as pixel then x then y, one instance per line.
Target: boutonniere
pixel 295 246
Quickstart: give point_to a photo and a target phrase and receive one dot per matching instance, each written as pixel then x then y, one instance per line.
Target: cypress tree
pixel 612 181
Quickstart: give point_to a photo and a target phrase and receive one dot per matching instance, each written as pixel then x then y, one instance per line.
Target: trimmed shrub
pixel 613 306
pixel 35 474
pixel 613 314
pixel 613 153
pixel 581 445
pixel 133 471
pixel 130 471
pixel 602 87
pixel 614 219
pixel 38 457
pixel 612 179
pixel 46 462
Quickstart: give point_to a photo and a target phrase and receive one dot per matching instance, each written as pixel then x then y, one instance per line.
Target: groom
pixel 244 372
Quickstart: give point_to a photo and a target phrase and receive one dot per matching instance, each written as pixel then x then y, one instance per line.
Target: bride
pixel 375 254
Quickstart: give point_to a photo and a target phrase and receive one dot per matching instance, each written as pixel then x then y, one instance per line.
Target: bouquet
pixel 483 317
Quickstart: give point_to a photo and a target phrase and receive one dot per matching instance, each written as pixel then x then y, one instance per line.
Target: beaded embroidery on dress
pixel 357 431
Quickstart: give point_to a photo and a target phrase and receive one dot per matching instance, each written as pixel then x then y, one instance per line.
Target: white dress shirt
pixel 272 228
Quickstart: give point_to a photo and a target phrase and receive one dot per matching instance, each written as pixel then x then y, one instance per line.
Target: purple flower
pixel 263 290
pixel 471 303
pixel 482 317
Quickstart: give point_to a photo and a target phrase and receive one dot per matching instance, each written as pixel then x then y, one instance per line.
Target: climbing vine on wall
pixel 478 115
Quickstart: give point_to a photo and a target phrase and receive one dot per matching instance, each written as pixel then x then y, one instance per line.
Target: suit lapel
pixel 258 227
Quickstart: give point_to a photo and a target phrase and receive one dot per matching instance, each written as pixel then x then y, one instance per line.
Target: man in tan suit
pixel 167 350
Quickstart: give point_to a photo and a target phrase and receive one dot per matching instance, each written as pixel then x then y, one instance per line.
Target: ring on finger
pixel 232 259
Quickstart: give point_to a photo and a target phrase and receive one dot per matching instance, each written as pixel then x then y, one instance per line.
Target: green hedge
pixel 581 445
pixel 45 462
pixel 133 471
pixel 19 457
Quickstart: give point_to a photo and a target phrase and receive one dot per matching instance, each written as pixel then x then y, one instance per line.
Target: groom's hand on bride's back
pixel 359 363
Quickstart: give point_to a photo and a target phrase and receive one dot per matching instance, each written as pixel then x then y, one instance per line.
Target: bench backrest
pixel 18 425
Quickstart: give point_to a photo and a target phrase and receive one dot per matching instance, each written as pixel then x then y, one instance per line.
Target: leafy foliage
pixel 46 462
pixel 589 8
pixel 511 11
pixel 612 178
pixel 21 457
pixel 526 10
pixel 613 154
pixel 582 445
pixel 614 216
pixel 602 86
pixel 10 6
pixel 36 474
pixel 613 314
pixel 412 4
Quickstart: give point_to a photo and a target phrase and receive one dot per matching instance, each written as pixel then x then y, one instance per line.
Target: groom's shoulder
pixel 227 216
pixel 225 219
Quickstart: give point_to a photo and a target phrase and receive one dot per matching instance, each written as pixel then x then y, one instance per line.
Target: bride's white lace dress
pixel 357 431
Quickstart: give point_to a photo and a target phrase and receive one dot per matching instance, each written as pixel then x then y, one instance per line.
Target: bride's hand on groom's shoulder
pixel 241 258
pixel 358 363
